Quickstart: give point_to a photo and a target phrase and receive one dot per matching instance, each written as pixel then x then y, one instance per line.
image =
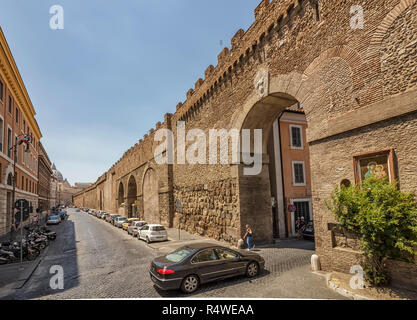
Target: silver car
pixel 135 226
pixel 118 222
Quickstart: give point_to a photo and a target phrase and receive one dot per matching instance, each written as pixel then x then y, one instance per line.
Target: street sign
pixel 21 203
pixel 178 205
pixel 18 215
pixel 292 208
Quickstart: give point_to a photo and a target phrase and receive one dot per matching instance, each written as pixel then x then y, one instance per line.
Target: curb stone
pixel 344 292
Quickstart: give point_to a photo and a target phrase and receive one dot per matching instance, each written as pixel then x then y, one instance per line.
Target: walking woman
pixel 249 237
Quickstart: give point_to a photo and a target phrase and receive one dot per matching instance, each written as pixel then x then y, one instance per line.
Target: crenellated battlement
pixel 270 16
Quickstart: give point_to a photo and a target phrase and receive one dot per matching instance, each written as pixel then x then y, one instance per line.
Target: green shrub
pixel 385 220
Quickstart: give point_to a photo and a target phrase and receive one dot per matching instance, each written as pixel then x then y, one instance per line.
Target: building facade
pixel 44 180
pixel 53 193
pixel 64 190
pixel 358 89
pixel 289 172
pixel 17 119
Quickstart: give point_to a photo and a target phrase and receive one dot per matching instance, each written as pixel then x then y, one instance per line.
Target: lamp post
pixel 26 140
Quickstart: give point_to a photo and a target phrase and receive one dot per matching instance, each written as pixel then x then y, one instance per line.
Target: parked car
pixel 114 217
pixel 53 220
pixel 109 218
pixel 308 232
pixel 195 264
pixel 118 222
pixel 104 215
pixel 62 215
pixel 128 222
pixel 134 227
pixel 153 232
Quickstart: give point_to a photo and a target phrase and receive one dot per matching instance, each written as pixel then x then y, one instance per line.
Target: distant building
pixel 289 171
pixel 82 185
pixel 44 180
pixel 64 190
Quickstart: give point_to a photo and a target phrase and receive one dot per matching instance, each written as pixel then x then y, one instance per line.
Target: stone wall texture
pixel 358 89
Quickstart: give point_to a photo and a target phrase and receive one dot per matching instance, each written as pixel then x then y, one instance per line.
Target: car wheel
pixel 190 284
pixel 147 240
pixel 252 270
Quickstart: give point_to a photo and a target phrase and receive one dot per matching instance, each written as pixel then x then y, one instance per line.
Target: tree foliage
pixel 383 217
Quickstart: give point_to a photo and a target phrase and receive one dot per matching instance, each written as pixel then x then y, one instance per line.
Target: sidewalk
pixel 14 276
pixel 340 283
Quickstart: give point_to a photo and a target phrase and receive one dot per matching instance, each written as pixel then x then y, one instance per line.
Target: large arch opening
pixel 121 195
pixel 151 197
pixel 132 194
pixel 274 201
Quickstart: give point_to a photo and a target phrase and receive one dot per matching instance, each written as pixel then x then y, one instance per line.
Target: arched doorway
pixel 282 180
pixel 132 194
pixel 151 197
pixel 121 195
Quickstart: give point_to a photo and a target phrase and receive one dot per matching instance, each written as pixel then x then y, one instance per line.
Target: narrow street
pixel 101 261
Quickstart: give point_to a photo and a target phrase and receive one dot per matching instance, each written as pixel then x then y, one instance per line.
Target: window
pixel 10 105
pixel 17 115
pixel 17 153
pixel 298 173
pixel 296 137
pixel 27 187
pixel 1 91
pixel 23 183
pixel 205 256
pixel 9 142
pixel 226 254
pixel 1 134
pixel 10 179
pixel 179 255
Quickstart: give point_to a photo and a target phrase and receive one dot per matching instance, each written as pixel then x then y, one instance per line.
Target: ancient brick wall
pixel 359 92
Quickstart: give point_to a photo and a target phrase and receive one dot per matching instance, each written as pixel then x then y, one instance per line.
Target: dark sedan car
pixel 190 266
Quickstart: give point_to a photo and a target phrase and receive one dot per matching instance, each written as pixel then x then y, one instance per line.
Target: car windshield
pixel 158 228
pixel 179 255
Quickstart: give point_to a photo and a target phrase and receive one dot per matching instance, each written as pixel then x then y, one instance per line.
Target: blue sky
pixel 118 66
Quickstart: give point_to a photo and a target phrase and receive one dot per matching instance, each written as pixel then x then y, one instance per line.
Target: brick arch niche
pixel 151 197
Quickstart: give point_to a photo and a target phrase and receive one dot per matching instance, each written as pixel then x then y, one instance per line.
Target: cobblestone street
pixel 101 261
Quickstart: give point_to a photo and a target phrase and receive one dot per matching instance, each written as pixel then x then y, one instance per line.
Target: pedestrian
pixel 249 237
pixel 302 226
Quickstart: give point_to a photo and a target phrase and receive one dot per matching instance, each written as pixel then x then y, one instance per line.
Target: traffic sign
pixel 21 203
pixel 292 208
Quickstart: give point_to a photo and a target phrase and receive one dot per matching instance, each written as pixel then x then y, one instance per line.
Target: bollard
pixel 315 263
pixel 241 244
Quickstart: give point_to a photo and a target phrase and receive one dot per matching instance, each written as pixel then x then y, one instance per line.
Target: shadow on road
pixel 61 252
pixel 206 288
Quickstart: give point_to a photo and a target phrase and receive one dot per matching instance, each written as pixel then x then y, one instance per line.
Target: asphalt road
pixel 101 261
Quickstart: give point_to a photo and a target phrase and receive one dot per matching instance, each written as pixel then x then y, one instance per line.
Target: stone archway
pixel 151 197
pixel 255 189
pixel 132 197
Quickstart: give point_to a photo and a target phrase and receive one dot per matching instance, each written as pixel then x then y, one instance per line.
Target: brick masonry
pixel 344 79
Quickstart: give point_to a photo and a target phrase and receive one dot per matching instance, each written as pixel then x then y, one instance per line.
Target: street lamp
pixel 27 139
